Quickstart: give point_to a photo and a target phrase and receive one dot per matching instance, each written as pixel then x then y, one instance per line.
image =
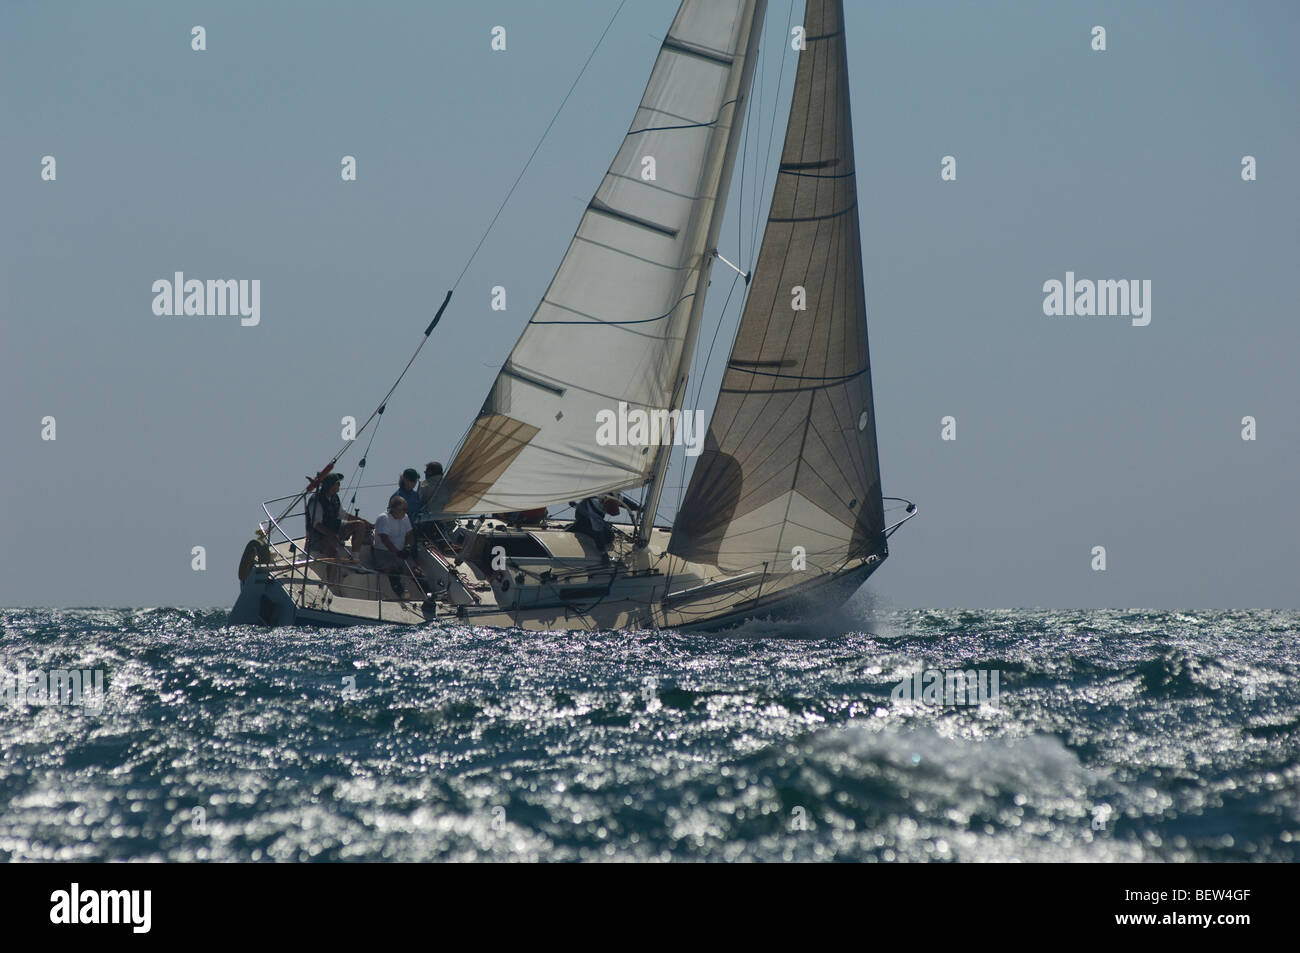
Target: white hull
pixel 566 585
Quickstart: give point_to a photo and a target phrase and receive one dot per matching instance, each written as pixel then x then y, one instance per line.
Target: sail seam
pixel 596 205
pixel 666 112
pixel 810 164
pixel 837 379
pixel 703 52
pixel 517 375
pixel 781 390
pixel 628 254
pixel 817 218
pixel 836 463
pixel 794 481
pixel 687 125
pixel 614 399
pixel 637 180
pixel 600 321
pixel 814 175
pixel 569 456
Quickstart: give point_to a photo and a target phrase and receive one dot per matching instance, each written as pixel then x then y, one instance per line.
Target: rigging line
pixel 758 137
pixel 365 456
pixel 776 104
pixel 537 147
pixel 740 202
pixel 699 387
pixel 744 152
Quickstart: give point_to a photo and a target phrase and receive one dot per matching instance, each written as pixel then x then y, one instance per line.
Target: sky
pixel 1071 432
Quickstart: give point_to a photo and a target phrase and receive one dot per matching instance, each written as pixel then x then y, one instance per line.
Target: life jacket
pixel 326 510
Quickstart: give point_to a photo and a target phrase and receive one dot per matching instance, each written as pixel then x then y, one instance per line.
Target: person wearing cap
pixel 326 523
pixel 406 489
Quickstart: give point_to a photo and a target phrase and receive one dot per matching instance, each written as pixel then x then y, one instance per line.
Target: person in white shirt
pixel 393 541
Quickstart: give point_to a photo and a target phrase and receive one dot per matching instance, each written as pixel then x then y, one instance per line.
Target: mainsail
pixel 614 322
pixel 789 478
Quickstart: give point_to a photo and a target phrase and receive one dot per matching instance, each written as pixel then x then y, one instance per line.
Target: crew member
pixel 406 489
pixel 433 496
pixel 326 523
pixel 589 519
pixel 394 540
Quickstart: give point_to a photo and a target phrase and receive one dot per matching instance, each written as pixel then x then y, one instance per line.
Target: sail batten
pixel 789 479
pixel 615 321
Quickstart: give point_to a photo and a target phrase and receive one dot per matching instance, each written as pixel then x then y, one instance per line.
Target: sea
pixel 869 734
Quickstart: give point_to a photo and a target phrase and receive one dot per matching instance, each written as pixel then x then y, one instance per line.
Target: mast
pixel 663 454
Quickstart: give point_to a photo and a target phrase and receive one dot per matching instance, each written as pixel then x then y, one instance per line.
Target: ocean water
pixel 1113 735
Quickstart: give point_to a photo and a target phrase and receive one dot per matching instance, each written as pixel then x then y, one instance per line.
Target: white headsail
pixel 613 324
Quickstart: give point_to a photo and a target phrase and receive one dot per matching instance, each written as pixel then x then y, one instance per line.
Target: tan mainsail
pixel 613 324
pixel 789 480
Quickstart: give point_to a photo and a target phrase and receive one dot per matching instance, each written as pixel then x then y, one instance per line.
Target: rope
pixel 354 486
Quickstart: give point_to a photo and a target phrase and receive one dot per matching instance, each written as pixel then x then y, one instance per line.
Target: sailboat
pixel 783 511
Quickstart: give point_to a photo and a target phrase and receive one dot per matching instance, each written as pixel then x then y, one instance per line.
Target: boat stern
pixel 262 601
